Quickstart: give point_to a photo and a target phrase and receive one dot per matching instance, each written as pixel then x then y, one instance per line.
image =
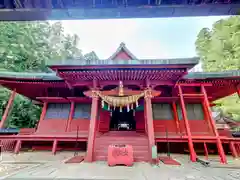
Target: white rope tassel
pixel 137 103
pixel 131 106
pixel 102 104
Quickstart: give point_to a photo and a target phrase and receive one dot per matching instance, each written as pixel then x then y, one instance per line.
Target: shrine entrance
pixel 122 120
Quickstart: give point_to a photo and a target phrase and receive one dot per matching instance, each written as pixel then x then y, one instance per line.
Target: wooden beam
pixel 219 143
pixel 92 129
pixel 193 155
pixel 194 84
pixel 7 109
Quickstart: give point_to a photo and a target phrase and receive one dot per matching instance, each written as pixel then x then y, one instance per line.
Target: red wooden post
pixel 145 117
pixel 206 115
pixel 8 107
pixel 205 150
pixel 233 149
pixel 44 110
pixel 17 146
pixel 238 90
pixel 149 116
pixel 193 155
pixel 92 129
pixel 219 143
pixel 175 114
pixel 54 147
pixel 70 117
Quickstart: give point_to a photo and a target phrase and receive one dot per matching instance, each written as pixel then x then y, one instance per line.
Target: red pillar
pixel 92 129
pixel 70 117
pixel 233 149
pixel 193 155
pixel 8 107
pixel 145 117
pixel 17 146
pixel 205 150
pixel 42 116
pixel 149 116
pixel 206 116
pixel 175 114
pixel 54 147
pixel 219 143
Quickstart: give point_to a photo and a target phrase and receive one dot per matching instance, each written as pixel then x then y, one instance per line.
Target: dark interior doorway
pixel 122 121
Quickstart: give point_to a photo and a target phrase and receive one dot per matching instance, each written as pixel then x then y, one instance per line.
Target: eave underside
pixel 32 89
pixel 65 82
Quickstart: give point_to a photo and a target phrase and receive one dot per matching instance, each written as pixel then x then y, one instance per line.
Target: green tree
pixel 219 50
pixel 25 47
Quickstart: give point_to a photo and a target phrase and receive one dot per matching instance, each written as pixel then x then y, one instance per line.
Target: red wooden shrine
pixel 124 100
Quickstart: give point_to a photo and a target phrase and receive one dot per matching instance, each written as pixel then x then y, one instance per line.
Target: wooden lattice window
pixel 82 111
pixel 162 111
pixel 57 111
pixel 194 111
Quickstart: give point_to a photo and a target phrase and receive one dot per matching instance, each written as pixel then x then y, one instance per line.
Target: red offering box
pixel 120 155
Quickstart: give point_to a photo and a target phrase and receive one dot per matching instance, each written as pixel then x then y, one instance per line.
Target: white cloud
pixel 104 36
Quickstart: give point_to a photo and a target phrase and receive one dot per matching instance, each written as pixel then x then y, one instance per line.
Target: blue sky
pixel 146 38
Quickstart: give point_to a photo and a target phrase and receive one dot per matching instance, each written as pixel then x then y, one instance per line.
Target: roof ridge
pixel 123 46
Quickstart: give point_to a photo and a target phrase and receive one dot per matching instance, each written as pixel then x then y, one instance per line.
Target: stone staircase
pixel 138 141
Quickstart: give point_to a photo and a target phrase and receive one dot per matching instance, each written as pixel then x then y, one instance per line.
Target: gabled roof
pixel 122 48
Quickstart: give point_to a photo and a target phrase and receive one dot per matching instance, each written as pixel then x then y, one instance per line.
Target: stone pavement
pixel 56 169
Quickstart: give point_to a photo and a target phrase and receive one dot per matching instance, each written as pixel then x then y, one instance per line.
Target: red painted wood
pixel 193 155
pixel 140 121
pixel 17 146
pixel 82 124
pixel 219 143
pixel 176 118
pixel 149 116
pixel 233 149
pixel 92 129
pixel 43 114
pixel 54 147
pixel 27 131
pixel 104 121
pixel 52 126
pixel 138 141
pixel 70 117
pixel 199 126
pixel 225 132
pixel 205 150
pixel 162 125
pixel 8 107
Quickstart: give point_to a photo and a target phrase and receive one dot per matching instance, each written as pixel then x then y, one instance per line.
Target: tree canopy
pixel 219 50
pixel 25 47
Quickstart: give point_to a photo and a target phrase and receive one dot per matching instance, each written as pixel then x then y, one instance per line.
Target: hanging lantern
pixel 120 109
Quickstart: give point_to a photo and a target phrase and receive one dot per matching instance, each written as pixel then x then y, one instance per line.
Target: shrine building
pixel 144 103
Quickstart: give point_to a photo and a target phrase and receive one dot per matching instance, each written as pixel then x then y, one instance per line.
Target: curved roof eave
pixel 30 76
pixel 213 75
